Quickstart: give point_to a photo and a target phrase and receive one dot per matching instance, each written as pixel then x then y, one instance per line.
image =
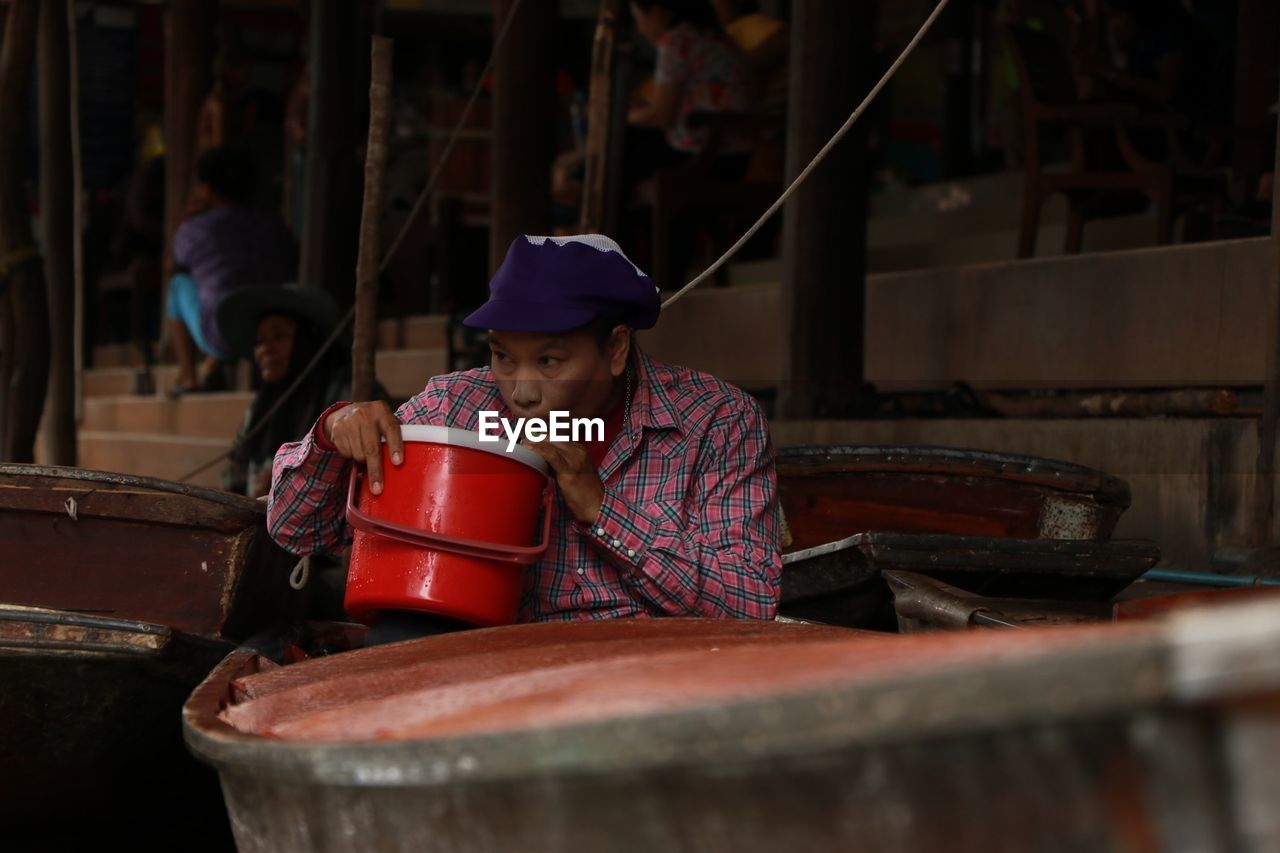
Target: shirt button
pixel 580 571
pixel 631 552
pixel 616 543
pixel 599 531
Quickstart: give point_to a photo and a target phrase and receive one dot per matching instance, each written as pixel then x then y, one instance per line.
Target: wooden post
pixel 190 35
pixel 599 110
pixel 26 343
pixel 825 224
pixel 77 210
pixel 57 201
pixel 331 174
pixel 365 344
pixel 524 106
pixel 1257 48
pixel 1265 493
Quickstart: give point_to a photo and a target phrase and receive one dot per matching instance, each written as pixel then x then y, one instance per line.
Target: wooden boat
pixel 119 594
pixel 841 582
pixel 192 559
pixel 91 743
pixel 685 735
pixel 924 603
pixel 830 493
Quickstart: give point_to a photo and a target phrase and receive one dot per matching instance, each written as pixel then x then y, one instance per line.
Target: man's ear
pixel 619 349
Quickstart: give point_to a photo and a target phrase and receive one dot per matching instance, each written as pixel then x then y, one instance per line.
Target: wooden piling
pixel 523 129
pixel 1265 490
pixel 365 344
pixel 25 318
pixel 825 225
pixel 57 203
pixel 599 107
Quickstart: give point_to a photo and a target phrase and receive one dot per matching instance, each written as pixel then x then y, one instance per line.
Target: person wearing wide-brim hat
pixel 280 329
pixel 673 512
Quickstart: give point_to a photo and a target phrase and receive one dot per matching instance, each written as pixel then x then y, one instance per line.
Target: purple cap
pixel 554 284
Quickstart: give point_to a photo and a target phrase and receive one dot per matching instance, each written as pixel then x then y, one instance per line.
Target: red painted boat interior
pixel 532 676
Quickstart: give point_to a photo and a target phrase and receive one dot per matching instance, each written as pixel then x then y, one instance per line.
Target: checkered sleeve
pixel 724 559
pixel 306 512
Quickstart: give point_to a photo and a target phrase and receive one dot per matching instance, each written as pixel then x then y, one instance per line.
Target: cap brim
pixel 239 312
pixel 507 316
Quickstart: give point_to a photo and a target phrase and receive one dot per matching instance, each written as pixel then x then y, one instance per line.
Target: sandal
pixel 178 389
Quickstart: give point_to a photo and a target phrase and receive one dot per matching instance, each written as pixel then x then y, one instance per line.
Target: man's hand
pixel 357 432
pixel 576 475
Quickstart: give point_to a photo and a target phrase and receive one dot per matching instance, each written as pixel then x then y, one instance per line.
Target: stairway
pixel 153 436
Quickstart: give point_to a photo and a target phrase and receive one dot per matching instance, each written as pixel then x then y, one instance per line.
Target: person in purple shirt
pixel 222 246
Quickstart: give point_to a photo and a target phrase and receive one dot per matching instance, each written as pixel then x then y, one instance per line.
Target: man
pixel 674 513
pixel 224 245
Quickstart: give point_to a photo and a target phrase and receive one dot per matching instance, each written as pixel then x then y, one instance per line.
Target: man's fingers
pixel 390 427
pixel 554 458
pixel 574 456
pixel 339 439
pixel 374 465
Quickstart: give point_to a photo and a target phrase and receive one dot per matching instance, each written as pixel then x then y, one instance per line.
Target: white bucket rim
pixel 452 437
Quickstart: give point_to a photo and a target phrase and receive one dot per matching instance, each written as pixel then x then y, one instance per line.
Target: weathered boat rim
pixel 938 702
pixel 926 541
pixel 110 478
pixel 93 635
pixel 1055 473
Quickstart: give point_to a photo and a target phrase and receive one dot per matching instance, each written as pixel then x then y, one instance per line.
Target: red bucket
pixel 451 532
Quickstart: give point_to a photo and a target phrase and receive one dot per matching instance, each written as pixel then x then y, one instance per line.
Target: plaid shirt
pixel 689 521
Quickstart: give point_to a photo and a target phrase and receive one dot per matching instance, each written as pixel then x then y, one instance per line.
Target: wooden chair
pixel 693 188
pixel 1050 99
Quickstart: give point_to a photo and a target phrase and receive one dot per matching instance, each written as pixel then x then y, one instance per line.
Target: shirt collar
pixel 651 404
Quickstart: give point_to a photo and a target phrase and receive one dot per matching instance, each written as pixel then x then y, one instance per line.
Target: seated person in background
pixel 280 329
pixel 673 513
pixel 698 70
pixel 222 246
pixel 765 42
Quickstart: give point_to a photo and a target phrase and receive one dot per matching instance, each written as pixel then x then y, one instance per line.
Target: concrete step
pixel 208 415
pixel 932 242
pixel 117 355
pixel 405 372
pixel 166 457
pixel 118 381
pixel 732 332
pixel 426 331
pixel 1179 316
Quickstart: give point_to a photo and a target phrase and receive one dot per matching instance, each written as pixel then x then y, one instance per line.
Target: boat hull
pixel 1080 739
pixel 830 493
pixel 196 560
pixel 841 583
pixel 90 733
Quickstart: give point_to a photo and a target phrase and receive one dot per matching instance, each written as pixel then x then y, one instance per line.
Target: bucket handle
pixel 517 554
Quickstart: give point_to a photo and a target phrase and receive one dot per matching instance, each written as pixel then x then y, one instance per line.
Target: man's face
pixel 540 373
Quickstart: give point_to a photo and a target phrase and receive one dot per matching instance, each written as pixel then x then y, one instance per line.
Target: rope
pixel 818 158
pixel 341 328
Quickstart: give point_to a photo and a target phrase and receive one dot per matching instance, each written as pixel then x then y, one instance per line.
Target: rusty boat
pixel 119 594
pixel 993 523
pixel 633 735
